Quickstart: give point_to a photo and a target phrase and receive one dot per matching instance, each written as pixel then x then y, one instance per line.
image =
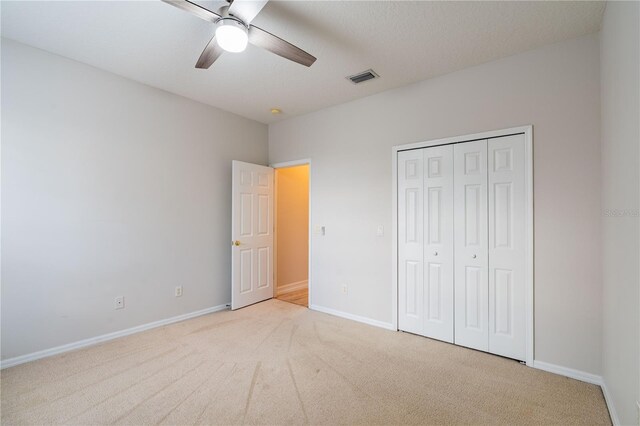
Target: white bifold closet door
pixel 507 246
pixel 490 245
pixel 438 245
pixel 461 244
pixel 411 241
pixel 425 224
pixel 471 245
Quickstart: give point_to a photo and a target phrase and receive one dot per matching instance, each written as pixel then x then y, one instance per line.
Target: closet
pixel 462 243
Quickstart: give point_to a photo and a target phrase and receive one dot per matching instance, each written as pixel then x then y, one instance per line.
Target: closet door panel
pixel 410 241
pixel 507 240
pixel 438 247
pixel 471 245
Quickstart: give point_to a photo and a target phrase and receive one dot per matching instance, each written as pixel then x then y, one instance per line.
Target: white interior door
pixel 507 239
pixel 438 246
pixel 410 241
pixel 252 234
pixel 471 245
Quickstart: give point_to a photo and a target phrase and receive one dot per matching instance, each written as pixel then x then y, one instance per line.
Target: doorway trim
pixel 284 165
pixel 529 225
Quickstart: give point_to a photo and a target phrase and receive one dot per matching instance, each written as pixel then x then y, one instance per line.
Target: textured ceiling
pixel 157 44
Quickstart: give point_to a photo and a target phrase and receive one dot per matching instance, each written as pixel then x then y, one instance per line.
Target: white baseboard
pixel 569 372
pixel 584 377
pixel 609 400
pixel 10 362
pixel 286 288
pixel 352 317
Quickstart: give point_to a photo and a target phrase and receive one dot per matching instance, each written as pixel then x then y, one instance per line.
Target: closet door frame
pixel 527 131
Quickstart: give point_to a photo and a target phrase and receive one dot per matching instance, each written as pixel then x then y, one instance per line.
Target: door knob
pixel 235 243
pixel 435 253
pixel 474 256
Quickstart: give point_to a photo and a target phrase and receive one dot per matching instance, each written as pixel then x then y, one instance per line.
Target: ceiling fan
pixel 234 30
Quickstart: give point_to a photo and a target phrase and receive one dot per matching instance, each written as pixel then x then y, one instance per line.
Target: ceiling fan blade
pixel 211 52
pixel 194 9
pixel 246 10
pixel 261 38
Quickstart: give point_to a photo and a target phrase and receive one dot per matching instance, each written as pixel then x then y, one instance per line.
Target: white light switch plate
pixel 318 230
pixel 380 231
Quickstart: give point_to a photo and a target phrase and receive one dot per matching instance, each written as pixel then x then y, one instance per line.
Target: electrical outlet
pixel 119 302
pixel 179 291
pixel 345 289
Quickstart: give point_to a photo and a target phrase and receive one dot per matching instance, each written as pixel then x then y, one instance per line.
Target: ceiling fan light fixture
pixel 232 35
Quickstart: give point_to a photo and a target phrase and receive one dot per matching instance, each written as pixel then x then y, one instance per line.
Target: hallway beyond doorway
pixel 292 234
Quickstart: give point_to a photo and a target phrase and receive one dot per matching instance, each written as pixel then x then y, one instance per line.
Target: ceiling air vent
pixel 363 76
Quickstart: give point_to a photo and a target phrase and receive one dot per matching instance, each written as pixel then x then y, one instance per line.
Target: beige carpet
pixel 279 363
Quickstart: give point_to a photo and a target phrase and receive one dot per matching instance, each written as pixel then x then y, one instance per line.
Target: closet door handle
pixel 473 256
pixel 435 253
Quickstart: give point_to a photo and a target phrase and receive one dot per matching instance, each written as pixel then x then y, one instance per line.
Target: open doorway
pixel 292 233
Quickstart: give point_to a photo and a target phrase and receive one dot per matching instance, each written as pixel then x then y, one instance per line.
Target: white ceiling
pixel 157 44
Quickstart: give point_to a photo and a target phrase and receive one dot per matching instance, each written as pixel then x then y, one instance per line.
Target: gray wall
pixel 620 68
pixel 555 88
pixel 109 188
